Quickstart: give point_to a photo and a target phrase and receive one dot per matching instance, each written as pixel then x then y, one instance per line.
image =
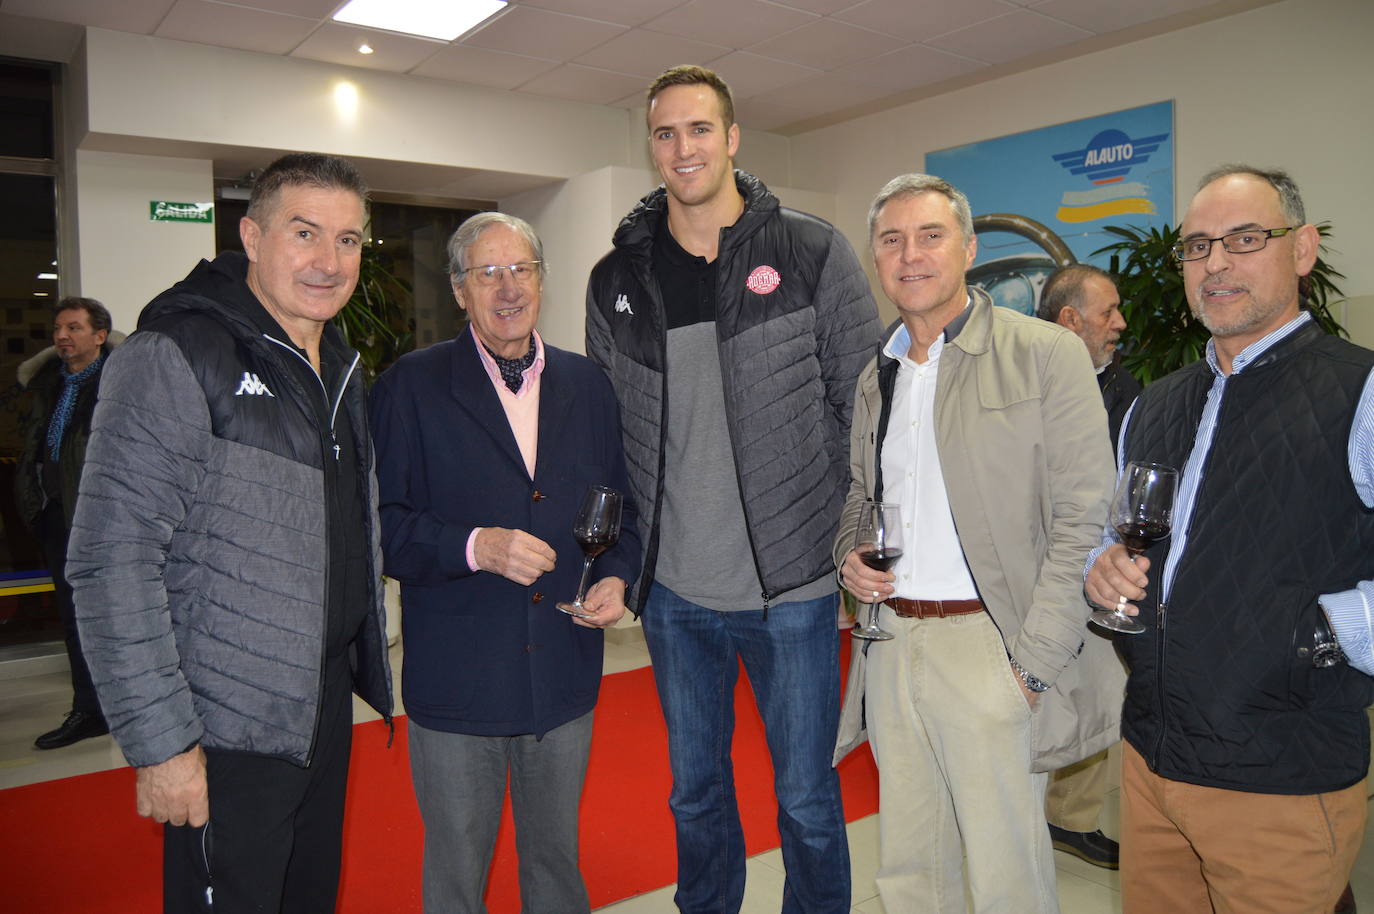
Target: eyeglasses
pixel 490 274
pixel 1244 242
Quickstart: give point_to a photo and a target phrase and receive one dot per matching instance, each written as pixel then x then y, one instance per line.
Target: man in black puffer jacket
pixel 225 553
pixel 1243 773
pixel 734 331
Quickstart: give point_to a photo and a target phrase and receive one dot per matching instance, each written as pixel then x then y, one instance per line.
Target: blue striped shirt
pixel 1351 611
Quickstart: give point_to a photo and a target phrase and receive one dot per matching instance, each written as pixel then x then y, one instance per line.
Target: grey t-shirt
pixel 704 553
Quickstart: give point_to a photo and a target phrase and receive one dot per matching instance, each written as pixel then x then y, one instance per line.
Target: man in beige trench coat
pixel 987 428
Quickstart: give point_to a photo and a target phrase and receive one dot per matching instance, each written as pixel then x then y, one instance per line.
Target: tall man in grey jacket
pixel 733 330
pixel 225 553
pixel 986 428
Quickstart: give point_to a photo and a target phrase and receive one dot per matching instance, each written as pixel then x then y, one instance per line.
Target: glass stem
pixel 872 615
pixel 586 573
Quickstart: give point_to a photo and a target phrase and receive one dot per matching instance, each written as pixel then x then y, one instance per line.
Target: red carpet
pixel 76 845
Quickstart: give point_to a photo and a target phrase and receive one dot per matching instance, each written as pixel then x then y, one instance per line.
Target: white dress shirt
pixel 932 565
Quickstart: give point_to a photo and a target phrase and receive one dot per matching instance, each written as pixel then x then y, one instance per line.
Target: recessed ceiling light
pixel 364 48
pixel 445 19
pixel 47 276
pixel 40 295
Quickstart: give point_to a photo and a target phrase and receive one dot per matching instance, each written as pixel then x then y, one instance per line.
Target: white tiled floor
pixel 33 703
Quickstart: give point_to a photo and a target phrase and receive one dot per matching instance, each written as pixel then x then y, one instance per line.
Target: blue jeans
pixel 793 665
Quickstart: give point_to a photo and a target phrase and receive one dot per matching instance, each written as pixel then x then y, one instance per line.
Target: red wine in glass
pixel 1142 514
pixel 880 559
pixel 596 529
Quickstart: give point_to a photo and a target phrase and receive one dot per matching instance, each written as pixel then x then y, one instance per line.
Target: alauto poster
pixel 1071 179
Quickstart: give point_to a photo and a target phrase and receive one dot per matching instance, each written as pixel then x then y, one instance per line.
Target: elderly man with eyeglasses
pixel 486 445
pixel 1247 743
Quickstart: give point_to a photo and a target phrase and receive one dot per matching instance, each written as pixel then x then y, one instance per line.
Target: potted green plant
pixel 376 320
pixel 1161 333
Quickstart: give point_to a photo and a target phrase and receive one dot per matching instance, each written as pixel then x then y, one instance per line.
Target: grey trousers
pixel 460 784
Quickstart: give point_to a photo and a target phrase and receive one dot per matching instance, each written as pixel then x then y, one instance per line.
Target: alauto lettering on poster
pixel 1041 198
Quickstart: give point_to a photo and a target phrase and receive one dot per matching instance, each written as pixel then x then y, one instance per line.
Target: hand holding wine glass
pixel 878 543
pixel 1142 515
pixel 596 529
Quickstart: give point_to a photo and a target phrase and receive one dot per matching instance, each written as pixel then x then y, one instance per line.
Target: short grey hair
pixel 1064 289
pixel 466 236
pixel 916 183
pixel 1290 199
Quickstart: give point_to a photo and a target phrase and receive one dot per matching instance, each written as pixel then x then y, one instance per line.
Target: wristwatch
pixel 1032 683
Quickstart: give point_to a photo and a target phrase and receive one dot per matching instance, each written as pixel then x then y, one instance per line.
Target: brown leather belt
pixel 933 609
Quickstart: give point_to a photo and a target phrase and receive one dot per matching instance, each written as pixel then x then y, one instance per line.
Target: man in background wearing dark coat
pixel 1084 299
pixel 64 380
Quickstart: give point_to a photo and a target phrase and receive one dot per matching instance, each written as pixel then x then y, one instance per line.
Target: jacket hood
pixel 635 234
pixel 30 367
pixel 219 289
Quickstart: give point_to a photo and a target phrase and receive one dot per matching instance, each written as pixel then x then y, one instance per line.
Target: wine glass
pixel 596 529
pixel 1142 514
pixel 879 544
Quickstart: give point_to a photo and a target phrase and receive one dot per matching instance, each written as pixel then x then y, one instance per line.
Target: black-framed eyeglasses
pixel 1246 241
pixel 490 274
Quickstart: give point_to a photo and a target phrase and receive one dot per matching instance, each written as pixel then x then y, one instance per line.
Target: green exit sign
pixel 167 211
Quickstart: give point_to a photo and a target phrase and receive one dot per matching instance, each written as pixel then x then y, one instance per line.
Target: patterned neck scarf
pixel 66 402
pixel 513 370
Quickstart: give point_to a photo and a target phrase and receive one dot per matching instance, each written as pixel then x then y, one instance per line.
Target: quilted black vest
pixel 1222 691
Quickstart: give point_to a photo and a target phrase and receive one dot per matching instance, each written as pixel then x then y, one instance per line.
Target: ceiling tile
pixel 234 27
pixel 923 19
pixel 826 44
pixel 138 16
pixel 738 23
pixel 820 7
pixel 648 54
pixel 335 42
pixel 539 33
pixel 308 9
pixel 583 84
pixel 481 67
pixel 1006 38
pixel 1108 17
pixel 750 74
pixel 624 12
pixel 909 68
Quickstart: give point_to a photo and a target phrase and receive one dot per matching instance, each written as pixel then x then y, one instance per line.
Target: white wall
pixel 575 221
pixel 1306 109
pixel 154 90
pixel 126 258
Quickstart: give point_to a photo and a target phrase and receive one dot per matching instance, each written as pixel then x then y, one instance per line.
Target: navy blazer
pixel 485 655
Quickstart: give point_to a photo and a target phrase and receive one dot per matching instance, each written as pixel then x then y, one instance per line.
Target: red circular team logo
pixel 763 280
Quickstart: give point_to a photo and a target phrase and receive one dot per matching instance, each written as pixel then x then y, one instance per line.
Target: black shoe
pixel 79 725
pixel 1092 846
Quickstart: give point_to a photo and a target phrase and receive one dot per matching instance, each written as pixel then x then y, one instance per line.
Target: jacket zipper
pixel 324 603
pixel 730 429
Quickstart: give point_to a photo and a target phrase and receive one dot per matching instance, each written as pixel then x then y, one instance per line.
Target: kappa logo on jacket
pixel 252 386
pixel 622 305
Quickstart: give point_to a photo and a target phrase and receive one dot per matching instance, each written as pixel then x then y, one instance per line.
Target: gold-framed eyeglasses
pixel 490 274
pixel 1246 241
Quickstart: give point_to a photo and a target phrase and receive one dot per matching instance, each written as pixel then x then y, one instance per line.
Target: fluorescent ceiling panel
pixel 444 19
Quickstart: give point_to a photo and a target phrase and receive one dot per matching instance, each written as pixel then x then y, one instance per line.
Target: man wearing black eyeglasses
pixel 1243 773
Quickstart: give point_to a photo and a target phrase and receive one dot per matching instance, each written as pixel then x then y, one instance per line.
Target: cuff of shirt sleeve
pixel 1352 618
pixel 1092 557
pixel 472 549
